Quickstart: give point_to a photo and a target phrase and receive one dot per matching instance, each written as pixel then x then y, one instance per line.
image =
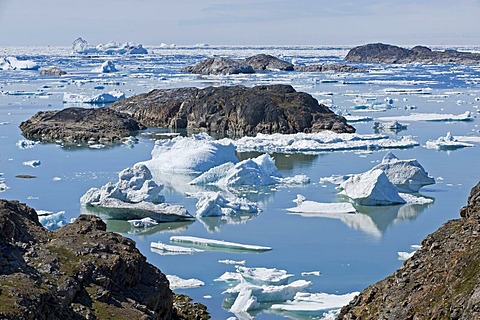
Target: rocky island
pixel 79 271
pixel 386 53
pixel 235 110
pixel 440 281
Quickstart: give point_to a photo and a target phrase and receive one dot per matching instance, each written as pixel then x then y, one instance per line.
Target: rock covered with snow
pixel 12 63
pixel 449 142
pixel 107 67
pixel 135 190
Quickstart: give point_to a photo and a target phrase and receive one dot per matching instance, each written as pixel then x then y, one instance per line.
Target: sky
pixel 240 22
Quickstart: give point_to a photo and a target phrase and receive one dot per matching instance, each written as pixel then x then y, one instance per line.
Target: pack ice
pixel 136 191
pixel 449 142
pixel 12 63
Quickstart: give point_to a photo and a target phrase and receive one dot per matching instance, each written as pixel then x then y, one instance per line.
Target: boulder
pixel 236 110
pixel 385 53
pixel 219 65
pixel 329 67
pixel 54 71
pixel 79 271
pixel 80 125
pixel 268 62
pixel 440 281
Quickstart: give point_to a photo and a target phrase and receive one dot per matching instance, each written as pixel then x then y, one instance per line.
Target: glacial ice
pixel 108 97
pixel 179 283
pixel 306 206
pixel 32 163
pixel 81 46
pixel 168 249
pixel 466 116
pixel 449 142
pixel 228 261
pixel 106 67
pixel 50 220
pixel 213 204
pixel 245 301
pixel 12 63
pixel 270 293
pixel 311 302
pixel 143 223
pixel 26 144
pixel 264 276
pixel 136 191
pixel 210 243
pixel 3 185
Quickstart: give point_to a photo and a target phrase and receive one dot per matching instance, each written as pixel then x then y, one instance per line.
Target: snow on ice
pixel 449 142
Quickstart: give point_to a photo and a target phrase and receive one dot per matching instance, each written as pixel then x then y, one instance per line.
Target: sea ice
pixel 245 301
pixel 406 175
pixel 109 97
pixel 106 67
pixel 167 249
pixel 228 261
pixel 197 153
pixel 218 243
pixel 393 126
pixel 405 255
pixel 12 63
pixel 449 142
pixel 143 223
pixel 50 220
pixel 270 293
pixel 306 206
pixel 264 276
pixel 311 302
pixel 26 144
pixel 213 204
pixel 466 116
pixel 3 185
pixel 179 283
pixel 371 188
pixel 136 191
pixel 81 46
pixel 32 163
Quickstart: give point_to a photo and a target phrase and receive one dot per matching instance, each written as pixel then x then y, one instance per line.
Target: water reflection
pixel 122 226
pixel 214 224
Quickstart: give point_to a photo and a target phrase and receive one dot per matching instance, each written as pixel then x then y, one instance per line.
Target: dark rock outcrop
pixel 78 272
pixel 235 110
pixel 54 71
pixel 329 67
pixel 385 53
pixel 80 125
pixel 441 280
pixel 219 65
pixel 268 62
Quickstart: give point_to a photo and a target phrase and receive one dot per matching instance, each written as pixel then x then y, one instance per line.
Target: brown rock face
pixel 77 272
pixel 79 124
pixel 235 110
pixel 441 281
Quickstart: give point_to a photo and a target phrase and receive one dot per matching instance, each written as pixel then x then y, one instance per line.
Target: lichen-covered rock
pixel 440 281
pixel 219 65
pixel 385 53
pixel 329 67
pixel 267 62
pixel 79 271
pixel 80 125
pixel 236 110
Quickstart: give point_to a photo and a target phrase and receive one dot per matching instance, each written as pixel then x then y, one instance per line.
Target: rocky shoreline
pixel 79 271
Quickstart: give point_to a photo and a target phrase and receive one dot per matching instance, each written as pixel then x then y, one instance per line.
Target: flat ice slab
pixel 466 116
pixel 218 243
pixel 312 302
pixel 179 283
pixel 449 142
pixel 167 249
pixel 307 206
pixel 264 276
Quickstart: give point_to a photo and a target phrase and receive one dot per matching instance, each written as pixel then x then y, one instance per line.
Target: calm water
pixel 349 254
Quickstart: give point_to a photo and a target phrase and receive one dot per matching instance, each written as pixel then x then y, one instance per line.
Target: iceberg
pixel 167 249
pixel 220 244
pixel 264 276
pixel 260 171
pixel 109 97
pixel 197 153
pixel 306 206
pixel 406 175
pixel 179 283
pixel 449 142
pixel 244 302
pixel 81 46
pixel 106 67
pixel 136 192
pixel 143 223
pixel 466 116
pixel 11 63
pixel 50 220
pixel 270 293
pixel 371 188
pixel 212 204
pixel 393 126
pixel 314 302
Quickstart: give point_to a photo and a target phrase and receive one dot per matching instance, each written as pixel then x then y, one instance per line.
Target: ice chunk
pixel 407 175
pixel 449 142
pixel 3 185
pixel 167 249
pixel 306 206
pixel 210 243
pixel 245 301
pixel 311 302
pixel 26 144
pixel 179 283
pixel 466 116
pixel 106 67
pixel 143 223
pixel 270 293
pixel 79 45
pixel 229 277
pixel 137 191
pixel 11 63
pixel 50 220
pixel 371 188
pixel 412 199
pixel 227 261
pixel 109 97
pixel 311 273
pixel 197 153
pixel 212 204
pixel 32 163
pixel 264 276
pixel 393 126
pixel 405 255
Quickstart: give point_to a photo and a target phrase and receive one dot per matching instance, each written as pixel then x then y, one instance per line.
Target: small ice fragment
pixel 180 283
pixel 50 220
pixel 167 249
pixel 32 163
pixel 218 243
pixel 227 261
pixel 143 223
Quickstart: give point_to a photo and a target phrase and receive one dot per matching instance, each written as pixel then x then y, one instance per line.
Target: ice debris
pixel 32 163
pixel 81 46
pixel 306 206
pixel 180 283
pixel 449 142
pixel 106 67
pixel 312 302
pixel 50 220
pixel 12 63
pixel 264 276
pixel 466 116
pixel 167 249
pixel 26 144
pixel 136 191
pixel 143 223
pixel 213 204
pixel 108 97
pixel 210 243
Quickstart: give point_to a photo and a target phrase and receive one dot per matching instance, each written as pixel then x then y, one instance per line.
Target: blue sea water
pixel 350 256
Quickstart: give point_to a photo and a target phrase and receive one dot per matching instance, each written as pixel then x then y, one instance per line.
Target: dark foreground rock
pixel 441 281
pixel 268 62
pixel 79 272
pixel 329 67
pixel 80 125
pixel 219 65
pixel 235 110
pixel 385 53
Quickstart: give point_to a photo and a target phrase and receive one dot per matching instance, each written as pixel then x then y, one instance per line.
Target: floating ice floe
pixel 136 192
pixel 406 175
pixel 407 255
pixel 472 139
pixel 109 97
pixel 268 293
pixel 466 116
pixel 12 63
pixel 26 144
pixel 306 206
pixel 213 204
pixel 168 249
pixel 3 185
pixel 319 142
pixel 314 302
pixel 179 283
pixel 357 118
pixel 210 243
pixel 393 126
pixel 106 67
pixel 81 46
pixel 228 261
pixel 260 171
pixel 311 273
pixel 197 153
pixel 32 163
pixel 143 223
pixel 264 276
pixel 449 142
pixel 50 220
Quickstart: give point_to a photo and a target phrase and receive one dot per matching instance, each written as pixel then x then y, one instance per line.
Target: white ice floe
pixel 312 302
pixel 449 142
pixel 319 142
pixel 270 293
pixel 218 243
pixel 466 116
pixel 143 223
pixel 107 67
pixel 371 188
pixel 213 204
pixel 406 175
pixel 50 220
pixel 390 126
pixel 12 63
pixel 472 139
pixel 26 144
pixel 402 255
pixel 228 261
pixel 357 118
pixel 264 276
pixel 108 97
pixel 311 273
pixel 32 163
pixel 197 153
pixel 244 302
pixel 81 46
pixel 168 249
pixel 136 191
pixel 306 206
pixel 180 283
pixel 3 185
pixel 229 277
pixel 412 199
